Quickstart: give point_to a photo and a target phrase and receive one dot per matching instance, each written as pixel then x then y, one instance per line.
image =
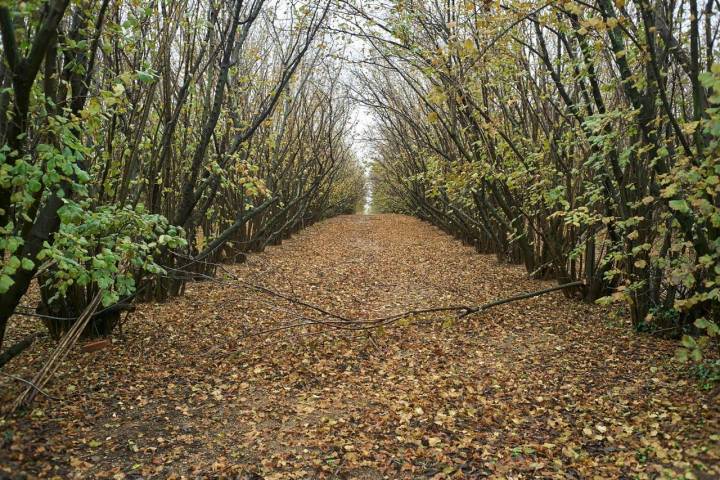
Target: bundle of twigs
pixel 58 355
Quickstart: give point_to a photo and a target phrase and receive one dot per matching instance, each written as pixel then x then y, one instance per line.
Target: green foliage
pixel 707 373
pixel 108 247
pixel 141 108
pixel 105 246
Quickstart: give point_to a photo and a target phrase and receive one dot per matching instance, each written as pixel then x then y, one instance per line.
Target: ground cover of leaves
pixel 544 388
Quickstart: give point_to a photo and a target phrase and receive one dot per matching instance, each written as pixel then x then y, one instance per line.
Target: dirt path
pixel 546 388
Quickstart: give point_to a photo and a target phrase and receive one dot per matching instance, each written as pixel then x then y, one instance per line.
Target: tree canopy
pixel 143 140
pixel 572 146
pixel 577 138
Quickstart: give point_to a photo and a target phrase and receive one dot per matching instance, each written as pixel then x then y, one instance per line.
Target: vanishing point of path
pixel 544 388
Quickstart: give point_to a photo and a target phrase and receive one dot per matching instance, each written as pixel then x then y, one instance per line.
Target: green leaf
pixel 145 76
pixel 5 283
pixel 109 298
pixel 34 185
pixel 27 264
pixel 688 342
pixel 679 206
pixel 11 265
pixel 710 327
pixel 707 79
pixel 696 354
pixel 12 244
pixel 82 175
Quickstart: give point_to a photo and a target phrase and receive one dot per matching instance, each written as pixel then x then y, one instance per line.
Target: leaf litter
pixel 543 388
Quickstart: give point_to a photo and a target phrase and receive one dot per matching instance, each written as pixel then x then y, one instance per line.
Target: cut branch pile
pixel 58 355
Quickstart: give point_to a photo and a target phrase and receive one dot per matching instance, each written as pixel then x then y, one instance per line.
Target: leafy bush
pixel 107 247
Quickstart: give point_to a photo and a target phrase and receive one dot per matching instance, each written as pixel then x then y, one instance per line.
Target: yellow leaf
pixel 469 45
pixel 690 127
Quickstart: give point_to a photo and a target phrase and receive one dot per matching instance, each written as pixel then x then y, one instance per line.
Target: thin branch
pixel 31 385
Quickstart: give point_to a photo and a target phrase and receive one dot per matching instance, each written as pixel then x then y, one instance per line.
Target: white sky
pixel 362 117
